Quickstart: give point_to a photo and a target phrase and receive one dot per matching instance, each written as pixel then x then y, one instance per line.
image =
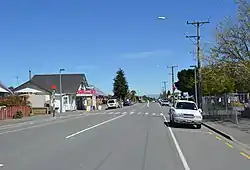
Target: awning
pixel 28 90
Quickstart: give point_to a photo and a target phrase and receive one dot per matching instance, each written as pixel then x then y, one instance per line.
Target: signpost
pixel 53 97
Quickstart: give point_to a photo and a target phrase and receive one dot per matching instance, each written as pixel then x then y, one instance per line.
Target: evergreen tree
pixel 120 85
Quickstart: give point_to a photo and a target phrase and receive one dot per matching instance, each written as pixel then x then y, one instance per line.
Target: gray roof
pixel 70 82
pixel 98 91
pixel 4 87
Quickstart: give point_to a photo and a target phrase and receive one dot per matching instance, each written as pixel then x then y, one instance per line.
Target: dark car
pixel 127 103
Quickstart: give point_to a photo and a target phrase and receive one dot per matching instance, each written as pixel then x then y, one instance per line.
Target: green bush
pixel 18 115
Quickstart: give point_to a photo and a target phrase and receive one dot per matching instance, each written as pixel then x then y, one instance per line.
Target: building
pixel 4 91
pixel 39 89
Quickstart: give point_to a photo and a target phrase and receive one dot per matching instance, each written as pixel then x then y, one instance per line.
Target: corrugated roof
pixel 70 82
pixel 4 87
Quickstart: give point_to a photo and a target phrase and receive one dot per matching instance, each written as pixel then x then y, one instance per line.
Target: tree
pixel 120 85
pixel 215 80
pixel 232 46
pixel 168 93
pixel 185 81
pixel 133 93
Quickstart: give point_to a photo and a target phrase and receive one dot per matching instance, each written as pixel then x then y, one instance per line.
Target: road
pixel 130 138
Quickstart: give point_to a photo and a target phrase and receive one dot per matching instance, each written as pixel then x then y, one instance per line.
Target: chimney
pixel 29 74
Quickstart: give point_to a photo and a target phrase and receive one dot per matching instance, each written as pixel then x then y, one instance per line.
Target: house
pixel 39 89
pixel 4 91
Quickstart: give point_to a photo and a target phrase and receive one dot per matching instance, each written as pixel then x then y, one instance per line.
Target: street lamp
pixel 60 86
pixel 195 84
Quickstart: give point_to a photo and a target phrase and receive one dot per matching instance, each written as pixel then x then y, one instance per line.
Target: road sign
pixel 53 87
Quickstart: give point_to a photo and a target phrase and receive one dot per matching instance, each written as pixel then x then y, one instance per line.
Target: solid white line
pixel 92 127
pixel 183 159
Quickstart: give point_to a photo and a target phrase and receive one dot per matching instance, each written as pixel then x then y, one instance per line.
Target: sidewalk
pixel 239 133
pixel 24 120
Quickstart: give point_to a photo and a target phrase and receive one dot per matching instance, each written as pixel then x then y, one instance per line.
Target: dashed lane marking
pixel 245 155
pixel 1 165
pixel 153 114
pixel 131 113
pixel 229 145
pixel 146 113
pixel 217 137
pixel 92 127
pixel 124 113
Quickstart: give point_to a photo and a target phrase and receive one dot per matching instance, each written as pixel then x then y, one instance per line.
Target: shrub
pixel 14 101
pixel 18 115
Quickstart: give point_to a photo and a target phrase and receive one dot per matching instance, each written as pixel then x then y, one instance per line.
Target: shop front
pixel 85 99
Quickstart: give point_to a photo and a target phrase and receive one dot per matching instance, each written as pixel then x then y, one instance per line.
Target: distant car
pixel 127 103
pixel 165 103
pixel 113 103
pixel 185 112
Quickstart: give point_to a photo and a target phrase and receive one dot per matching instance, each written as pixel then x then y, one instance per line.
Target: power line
pixel 198 24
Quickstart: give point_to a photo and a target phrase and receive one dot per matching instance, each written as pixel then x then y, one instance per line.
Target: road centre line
pixel 229 145
pixel 41 125
pixel 92 127
pixel 183 159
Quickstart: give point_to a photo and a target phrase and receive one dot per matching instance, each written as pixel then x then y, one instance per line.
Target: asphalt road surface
pixel 130 138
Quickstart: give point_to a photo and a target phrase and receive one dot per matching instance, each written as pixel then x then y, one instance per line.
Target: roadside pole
pixel 53 97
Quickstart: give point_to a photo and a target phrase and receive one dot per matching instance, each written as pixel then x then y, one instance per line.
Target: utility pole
pixel 172 73
pixel 60 84
pixel 165 89
pixel 198 24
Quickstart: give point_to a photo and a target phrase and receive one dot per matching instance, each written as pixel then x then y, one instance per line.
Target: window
pixel 186 105
pixel 65 100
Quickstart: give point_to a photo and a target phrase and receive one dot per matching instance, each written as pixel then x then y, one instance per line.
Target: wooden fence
pixel 8 112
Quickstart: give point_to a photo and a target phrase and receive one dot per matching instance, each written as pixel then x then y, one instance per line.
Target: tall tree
pixel 133 93
pixel 185 81
pixel 233 44
pixel 120 85
pixel 168 93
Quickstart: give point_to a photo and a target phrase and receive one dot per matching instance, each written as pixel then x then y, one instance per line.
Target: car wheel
pixel 198 126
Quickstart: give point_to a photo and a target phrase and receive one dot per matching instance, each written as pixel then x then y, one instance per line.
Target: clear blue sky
pixel 96 37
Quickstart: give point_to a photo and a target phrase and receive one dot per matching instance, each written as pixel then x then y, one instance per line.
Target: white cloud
pixel 146 54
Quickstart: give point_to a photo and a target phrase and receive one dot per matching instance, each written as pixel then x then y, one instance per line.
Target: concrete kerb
pixel 227 136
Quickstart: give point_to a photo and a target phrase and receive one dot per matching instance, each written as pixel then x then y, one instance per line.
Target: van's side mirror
pixel 200 110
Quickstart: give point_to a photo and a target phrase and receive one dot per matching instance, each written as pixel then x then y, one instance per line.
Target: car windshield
pixel 186 105
pixel 111 101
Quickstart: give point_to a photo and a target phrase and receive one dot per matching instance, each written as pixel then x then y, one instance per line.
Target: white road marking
pixel 131 113
pixel 1 165
pixel 161 114
pixel 139 113
pixel 124 113
pixel 92 127
pixel 110 113
pixel 183 159
pixel 43 124
pixel 117 113
pixel 153 114
pixel 146 113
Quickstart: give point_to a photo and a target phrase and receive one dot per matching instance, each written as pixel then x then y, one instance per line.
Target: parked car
pixel 185 112
pixel 127 103
pixel 165 103
pixel 113 103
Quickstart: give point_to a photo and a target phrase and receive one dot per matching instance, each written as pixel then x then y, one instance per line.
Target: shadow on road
pixel 179 126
